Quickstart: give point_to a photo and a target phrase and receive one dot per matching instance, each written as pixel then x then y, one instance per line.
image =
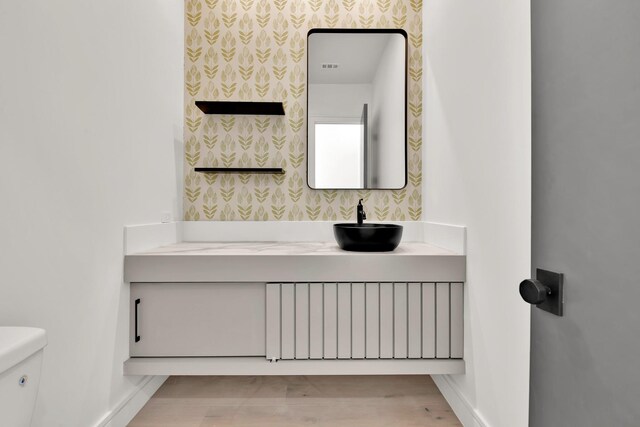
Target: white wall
pixel 388 116
pixel 334 103
pixel 338 100
pixel 339 152
pixel 477 173
pixel 90 120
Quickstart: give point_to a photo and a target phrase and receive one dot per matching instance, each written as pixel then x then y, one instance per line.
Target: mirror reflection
pixel 356 113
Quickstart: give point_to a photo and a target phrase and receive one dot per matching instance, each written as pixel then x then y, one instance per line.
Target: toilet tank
pixel 21 351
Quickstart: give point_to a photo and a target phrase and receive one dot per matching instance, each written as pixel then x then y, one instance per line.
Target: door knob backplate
pixel 554 298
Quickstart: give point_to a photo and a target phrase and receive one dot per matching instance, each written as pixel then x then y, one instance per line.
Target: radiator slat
pixel 330 321
pixel 442 321
pixel 344 320
pixel 386 320
pixel 358 331
pixel 287 308
pixel 428 320
pixel 457 320
pixel 316 322
pixel 372 316
pixel 414 314
pixel 302 320
pixel 400 344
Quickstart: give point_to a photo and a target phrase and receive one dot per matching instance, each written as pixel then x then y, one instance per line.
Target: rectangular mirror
pixel 357 109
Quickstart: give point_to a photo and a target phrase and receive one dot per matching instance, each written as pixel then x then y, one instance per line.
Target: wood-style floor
pixel 288 401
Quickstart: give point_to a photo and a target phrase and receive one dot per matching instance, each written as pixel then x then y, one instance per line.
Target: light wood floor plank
pixel 291 401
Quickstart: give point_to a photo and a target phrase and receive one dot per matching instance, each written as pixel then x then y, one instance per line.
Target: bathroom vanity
pixel 294 308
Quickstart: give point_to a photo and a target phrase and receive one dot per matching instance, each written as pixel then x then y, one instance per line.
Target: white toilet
pixel 20 362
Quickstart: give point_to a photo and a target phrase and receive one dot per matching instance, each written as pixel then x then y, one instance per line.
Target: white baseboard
pixel 131 404
pixel 466 413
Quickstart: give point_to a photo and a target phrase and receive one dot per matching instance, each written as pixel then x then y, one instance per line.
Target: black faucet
pixel 362 215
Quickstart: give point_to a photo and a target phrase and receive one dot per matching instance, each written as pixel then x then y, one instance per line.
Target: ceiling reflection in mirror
pixel 356 115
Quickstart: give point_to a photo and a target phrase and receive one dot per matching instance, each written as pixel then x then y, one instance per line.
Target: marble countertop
pixel 284 249
pixel 281 262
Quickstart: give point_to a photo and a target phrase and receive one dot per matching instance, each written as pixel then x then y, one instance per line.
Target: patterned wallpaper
pixel 255 50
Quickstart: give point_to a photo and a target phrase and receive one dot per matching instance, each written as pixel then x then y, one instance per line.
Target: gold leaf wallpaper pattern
pixel 255 50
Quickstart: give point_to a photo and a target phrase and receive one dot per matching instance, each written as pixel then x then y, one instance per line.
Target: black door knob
pixel 534 292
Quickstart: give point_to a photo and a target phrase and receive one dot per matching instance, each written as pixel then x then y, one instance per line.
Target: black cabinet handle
pixel 136 320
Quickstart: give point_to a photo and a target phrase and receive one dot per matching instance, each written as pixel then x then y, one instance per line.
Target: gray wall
pixel 586 211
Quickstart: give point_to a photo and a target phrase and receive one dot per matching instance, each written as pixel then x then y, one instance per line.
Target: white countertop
pixel 285 248
pixel 282 262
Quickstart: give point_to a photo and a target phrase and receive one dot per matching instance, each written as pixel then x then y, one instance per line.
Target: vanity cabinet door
pixel 346 320
pixel 197 319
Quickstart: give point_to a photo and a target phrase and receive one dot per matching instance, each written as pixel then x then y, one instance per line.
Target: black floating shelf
pixel 248 108
pixel 276 171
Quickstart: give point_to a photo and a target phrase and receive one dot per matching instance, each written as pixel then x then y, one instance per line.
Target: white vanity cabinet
pixel 201 309
pixel 197 319
pixel 349 320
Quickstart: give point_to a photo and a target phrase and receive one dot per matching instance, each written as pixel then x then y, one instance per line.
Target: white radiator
pixel 364 321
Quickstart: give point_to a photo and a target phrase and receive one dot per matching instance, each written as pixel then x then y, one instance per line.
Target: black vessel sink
pixel 368 237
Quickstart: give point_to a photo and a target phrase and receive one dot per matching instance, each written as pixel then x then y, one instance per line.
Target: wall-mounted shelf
pixel 275 171
pixel 236 107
